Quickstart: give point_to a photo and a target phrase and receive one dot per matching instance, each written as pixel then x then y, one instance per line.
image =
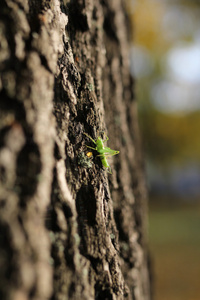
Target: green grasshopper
pixel 103 151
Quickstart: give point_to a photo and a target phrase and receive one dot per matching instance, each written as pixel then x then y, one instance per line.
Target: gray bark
pixel 68 229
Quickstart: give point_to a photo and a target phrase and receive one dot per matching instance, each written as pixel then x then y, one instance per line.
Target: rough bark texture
pixel 68 229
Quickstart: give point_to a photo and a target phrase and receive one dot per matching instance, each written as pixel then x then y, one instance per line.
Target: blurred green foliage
pixel 168 138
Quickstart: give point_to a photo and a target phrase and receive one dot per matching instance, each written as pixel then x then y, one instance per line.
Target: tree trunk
pixel 69 230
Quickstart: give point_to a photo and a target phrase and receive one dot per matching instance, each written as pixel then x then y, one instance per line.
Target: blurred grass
pixel 175 249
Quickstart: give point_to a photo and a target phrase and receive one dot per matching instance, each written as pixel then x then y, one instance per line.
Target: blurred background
pixel 165 60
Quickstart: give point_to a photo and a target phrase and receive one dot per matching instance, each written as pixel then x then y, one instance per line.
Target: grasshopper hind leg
pixel 91 148
pixel 90 137
pixel 107 138
pixel 109 170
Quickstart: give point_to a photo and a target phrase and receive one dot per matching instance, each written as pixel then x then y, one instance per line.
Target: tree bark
pixel 68 229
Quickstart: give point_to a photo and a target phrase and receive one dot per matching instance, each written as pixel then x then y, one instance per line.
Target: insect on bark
pixel 103 151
